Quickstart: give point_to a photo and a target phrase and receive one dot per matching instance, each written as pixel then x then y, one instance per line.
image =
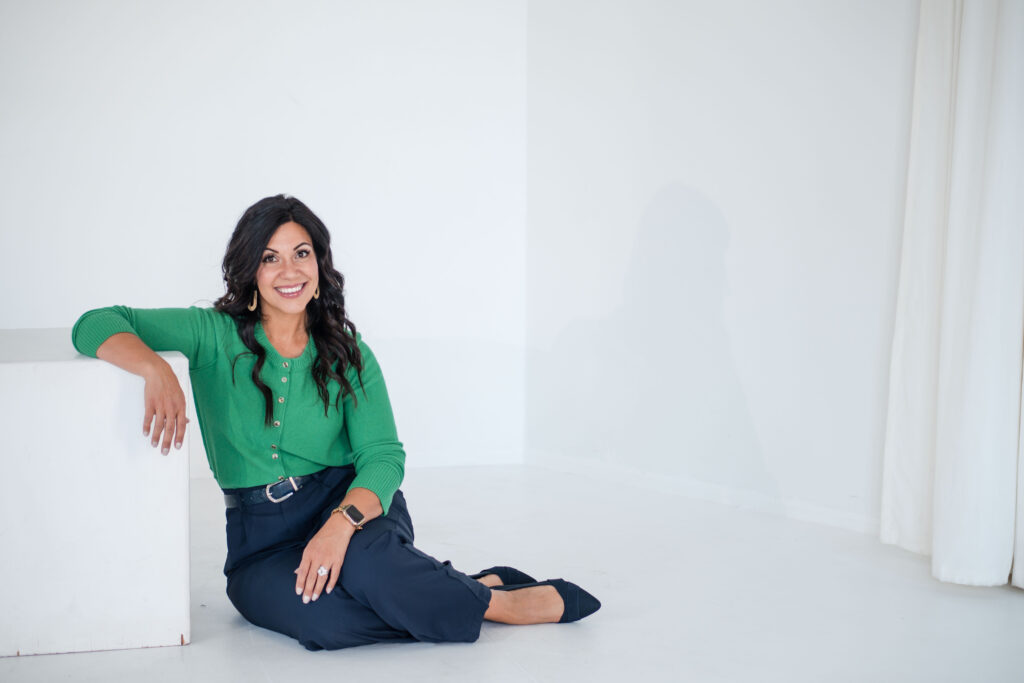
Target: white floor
pixel 691 591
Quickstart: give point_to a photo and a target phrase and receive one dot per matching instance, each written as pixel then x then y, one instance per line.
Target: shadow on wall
pixel 653 385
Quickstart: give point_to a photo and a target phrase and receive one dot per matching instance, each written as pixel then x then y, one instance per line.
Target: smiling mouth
pixel 290 292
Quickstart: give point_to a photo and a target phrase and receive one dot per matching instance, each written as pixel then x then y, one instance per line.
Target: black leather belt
pixel 271 493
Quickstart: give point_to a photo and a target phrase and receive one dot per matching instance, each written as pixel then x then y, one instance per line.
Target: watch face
pixel 354 514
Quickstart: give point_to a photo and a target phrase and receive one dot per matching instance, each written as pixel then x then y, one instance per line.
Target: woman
pixel 300 436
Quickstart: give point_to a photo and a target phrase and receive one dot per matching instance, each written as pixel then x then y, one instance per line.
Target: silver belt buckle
pixel 291 493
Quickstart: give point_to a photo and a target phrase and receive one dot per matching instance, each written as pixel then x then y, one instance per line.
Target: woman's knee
pixel 317 638
pixel 347 632
pixel 334 622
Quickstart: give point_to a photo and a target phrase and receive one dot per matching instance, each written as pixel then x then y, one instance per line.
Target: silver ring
pixel 322 571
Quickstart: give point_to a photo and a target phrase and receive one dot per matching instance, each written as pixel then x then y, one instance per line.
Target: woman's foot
pixel 536 607
pixel 533 605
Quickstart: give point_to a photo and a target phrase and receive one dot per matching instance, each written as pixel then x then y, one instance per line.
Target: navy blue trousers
pixel 388 590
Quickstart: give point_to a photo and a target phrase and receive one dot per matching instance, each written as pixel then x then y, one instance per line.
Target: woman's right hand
pixel 165 407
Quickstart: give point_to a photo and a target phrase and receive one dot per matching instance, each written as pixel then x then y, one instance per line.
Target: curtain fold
pixel 953 483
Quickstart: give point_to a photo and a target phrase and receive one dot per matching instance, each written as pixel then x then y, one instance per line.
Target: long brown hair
pixel 326 323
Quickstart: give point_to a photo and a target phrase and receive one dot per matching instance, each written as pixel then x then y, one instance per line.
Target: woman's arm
pixel 378 455
pixel 129 338
pixel 164 399
pixel 379 461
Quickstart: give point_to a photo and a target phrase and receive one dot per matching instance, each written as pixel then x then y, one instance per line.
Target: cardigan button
pixel 280 399
pixel 285 364
pixel 274 456
pixel 277 423
pixel 284 379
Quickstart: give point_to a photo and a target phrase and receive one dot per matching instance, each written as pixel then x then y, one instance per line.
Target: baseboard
pixel 701 490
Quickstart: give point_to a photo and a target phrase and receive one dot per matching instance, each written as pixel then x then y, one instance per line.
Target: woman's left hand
pixel 326 549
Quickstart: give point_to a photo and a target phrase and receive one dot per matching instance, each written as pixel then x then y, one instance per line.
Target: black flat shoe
pixel 508 575
pixel 578 602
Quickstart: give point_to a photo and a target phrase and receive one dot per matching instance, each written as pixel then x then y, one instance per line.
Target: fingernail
pixel 145 431
pixel 305 599
pixel 153 442
pixel 328 590
pixel 165 450
pixel 315 596
pixel 298 590
pixel 177 445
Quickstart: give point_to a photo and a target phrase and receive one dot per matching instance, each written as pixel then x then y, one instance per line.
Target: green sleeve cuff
pixel 381 471
pixel 95 327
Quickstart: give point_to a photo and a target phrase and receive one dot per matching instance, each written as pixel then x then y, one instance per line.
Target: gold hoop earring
pixel 316 292
pixel 252 306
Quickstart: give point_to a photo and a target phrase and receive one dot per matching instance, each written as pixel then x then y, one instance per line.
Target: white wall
pixel 714 231
pixel 708 251
pixel 133 135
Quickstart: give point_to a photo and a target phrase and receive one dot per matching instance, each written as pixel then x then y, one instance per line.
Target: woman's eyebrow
pixel 296 247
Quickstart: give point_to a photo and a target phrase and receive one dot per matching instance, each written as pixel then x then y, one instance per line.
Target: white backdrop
pixel 708 249
pixel 716 194
pixel 133 135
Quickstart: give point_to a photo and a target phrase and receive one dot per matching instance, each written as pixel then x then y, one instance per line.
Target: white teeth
pixel 289 290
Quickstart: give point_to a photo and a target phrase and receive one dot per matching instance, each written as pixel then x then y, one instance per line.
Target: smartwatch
pixel 352 514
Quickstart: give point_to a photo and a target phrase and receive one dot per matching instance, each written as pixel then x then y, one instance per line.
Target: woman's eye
pixel 302 253
pixel 268 258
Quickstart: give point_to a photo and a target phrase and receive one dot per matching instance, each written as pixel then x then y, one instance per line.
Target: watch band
pixel 352 514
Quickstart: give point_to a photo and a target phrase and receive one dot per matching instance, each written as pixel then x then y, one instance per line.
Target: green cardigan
pixel 241 448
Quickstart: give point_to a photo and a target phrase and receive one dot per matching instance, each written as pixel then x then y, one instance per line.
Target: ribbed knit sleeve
pixel 378 455
pixel 96 326
pixel 193 331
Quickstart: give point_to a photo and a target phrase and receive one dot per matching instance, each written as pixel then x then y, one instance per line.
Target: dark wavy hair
pixel 332 332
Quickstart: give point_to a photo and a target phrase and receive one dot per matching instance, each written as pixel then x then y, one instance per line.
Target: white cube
pixel 93 519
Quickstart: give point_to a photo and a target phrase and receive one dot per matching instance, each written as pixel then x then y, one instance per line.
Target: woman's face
pixel 288 274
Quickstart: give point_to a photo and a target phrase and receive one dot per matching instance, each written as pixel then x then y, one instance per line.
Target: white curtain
pixel 953 473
